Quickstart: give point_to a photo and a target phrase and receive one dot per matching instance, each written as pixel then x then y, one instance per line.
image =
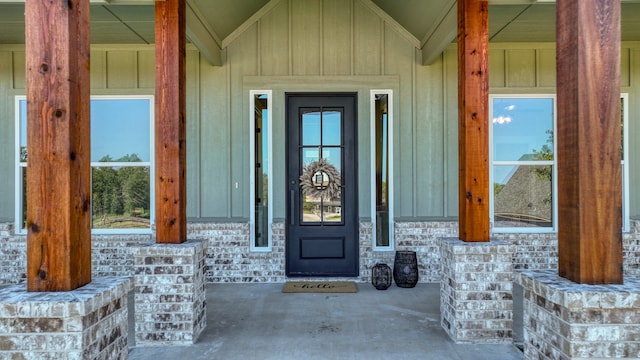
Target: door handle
pixel 292 205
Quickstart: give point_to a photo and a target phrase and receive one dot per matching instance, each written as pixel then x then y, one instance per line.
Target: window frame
pixel 626 221
pixel 252 177
pixel 20 167
pixel 493 163
pixel 390 166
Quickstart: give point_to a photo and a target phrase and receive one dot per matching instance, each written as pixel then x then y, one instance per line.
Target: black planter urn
pixel 381 276
pixel 405 269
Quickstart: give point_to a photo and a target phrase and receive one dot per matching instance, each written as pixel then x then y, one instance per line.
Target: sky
pixel 519 126
pixel 119 127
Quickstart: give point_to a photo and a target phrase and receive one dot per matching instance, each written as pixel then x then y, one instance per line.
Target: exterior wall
pixel 229 259
pixel 329 45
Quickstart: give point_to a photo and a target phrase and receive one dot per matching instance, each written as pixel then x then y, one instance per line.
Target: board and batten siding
pixel 329 45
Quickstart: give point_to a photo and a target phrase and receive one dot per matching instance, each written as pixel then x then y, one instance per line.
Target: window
pixel 624 118
pixel 523 165
pixel 382 169
pixel 261 217
pixel 122 178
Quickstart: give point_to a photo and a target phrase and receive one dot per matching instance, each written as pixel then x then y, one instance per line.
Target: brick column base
pixel 566 320
pixel 476 291
pixel 170 293
pixel 87 323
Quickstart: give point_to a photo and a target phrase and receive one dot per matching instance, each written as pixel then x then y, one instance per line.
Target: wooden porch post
pixel 589 170
pixel 473 115
pixel 171 151
pixel 58 145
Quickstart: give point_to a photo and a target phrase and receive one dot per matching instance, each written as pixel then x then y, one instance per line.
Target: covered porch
pixel 217 81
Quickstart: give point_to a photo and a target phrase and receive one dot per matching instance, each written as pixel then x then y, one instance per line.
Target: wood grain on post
pixel 58 145
pixel 589 169
pixel 170 125
pixel 473 120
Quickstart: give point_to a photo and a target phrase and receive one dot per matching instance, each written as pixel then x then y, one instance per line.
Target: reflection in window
pixel 321 154
pixel 624 119
pixel 121 163
pixel 261 217
pixel 522 151
pixel 382 171
pixel 523 162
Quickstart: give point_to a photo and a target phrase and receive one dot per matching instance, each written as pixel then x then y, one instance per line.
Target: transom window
pixel 122 178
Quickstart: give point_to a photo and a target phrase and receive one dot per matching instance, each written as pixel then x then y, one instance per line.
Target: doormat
pixel 320 287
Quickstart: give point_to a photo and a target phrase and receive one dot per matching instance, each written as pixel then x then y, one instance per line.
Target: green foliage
pixel 545 172
pixel 121 191
pixel 497 188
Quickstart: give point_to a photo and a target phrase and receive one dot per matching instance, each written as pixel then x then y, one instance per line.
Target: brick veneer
pixel 476 301
pixel 170 293
pixel 229 258
pixel 84 324
pixel 565 320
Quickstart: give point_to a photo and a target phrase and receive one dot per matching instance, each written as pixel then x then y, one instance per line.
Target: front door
pixel 322 216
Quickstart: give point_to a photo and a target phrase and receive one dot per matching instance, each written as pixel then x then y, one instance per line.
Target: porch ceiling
pixel 116 22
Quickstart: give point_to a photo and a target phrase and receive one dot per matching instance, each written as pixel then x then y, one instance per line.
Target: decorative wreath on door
pixel 321 180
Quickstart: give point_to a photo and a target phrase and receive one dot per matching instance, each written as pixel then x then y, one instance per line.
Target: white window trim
pixel 626 222
pixel 252 176
pixel 151 164
pixel 554 186
pixel 390 187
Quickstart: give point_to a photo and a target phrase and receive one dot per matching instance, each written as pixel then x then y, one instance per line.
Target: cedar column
pixel 473 115
pixel 171 151
pixel 58 144
pixel 589 170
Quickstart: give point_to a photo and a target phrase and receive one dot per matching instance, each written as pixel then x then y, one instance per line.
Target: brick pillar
pixel 476 291
pixel 89 322
pixel 170 293
pixel 567 320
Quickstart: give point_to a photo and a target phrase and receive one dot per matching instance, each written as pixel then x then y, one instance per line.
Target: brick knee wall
pixel 229 258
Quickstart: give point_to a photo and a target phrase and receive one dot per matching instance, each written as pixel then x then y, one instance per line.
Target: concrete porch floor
pixel 258 321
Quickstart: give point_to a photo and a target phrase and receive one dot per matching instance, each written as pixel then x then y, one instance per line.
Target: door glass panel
pixel 331 127
pixel 309 155
pixel 310 127
pixel 333 155
pixel 321 175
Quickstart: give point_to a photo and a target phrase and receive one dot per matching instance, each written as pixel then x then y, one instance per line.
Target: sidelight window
pixel 382 169
pixel 261 217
